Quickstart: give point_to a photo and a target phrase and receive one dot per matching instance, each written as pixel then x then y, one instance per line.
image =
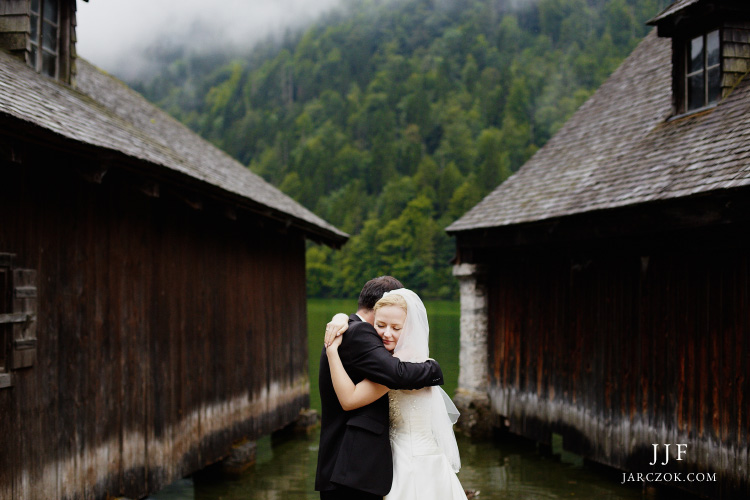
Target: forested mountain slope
pixel 391 118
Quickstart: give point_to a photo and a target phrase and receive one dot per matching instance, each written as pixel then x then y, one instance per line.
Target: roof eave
pixel 721 209
pixel 20 130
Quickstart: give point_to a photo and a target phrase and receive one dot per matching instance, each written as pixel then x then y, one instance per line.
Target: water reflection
pixel 285 469
pixel 502 469
pixel 509 468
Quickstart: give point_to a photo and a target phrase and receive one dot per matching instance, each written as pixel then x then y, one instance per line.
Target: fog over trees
pixel 390 119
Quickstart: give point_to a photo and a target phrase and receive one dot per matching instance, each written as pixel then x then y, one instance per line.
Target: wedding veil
pixel 413 346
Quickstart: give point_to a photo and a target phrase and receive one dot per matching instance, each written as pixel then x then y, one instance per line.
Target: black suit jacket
pixel 355 449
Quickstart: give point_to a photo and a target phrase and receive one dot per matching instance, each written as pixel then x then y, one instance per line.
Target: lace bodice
pixel 411 420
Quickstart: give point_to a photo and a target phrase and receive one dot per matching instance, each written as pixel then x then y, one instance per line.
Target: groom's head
pixel 372 292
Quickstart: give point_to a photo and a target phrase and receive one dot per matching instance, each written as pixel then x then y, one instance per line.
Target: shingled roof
pixel 622 148
pixel 103 112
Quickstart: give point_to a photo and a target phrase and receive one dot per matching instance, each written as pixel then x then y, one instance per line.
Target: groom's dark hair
pixel 374 290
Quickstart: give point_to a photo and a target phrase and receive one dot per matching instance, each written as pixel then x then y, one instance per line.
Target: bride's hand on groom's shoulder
pixel 335 343
pixel 335 328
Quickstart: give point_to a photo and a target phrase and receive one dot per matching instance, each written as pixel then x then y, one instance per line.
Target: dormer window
pixel 42 34
pixel 45 41
pixel 710 50
pixel 703 71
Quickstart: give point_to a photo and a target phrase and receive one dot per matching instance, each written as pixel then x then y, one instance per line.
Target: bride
pixel 425 454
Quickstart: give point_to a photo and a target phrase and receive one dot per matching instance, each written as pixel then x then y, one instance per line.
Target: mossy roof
pixel 624 147
pixel 102 112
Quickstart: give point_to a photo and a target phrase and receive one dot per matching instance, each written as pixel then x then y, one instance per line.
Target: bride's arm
pixel 350 396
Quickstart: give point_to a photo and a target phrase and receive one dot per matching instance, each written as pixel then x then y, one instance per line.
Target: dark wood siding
pixel 616 350
pixel 165 334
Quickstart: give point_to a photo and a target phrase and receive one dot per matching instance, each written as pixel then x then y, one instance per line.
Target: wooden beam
pixel 93 173
pixel 24 292
pixel 230 212
pixel 192 200
pixel 15 318
pixel 24 344
pixel 150 188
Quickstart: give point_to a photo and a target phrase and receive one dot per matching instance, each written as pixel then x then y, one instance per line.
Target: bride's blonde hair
pixel 392 299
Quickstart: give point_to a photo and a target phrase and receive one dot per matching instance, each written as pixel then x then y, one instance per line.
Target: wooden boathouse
pixel 605 287
pixel 152 289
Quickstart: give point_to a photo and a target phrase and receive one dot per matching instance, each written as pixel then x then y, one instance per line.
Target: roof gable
pixel 105 113
pixel 620 149
pixel 678 6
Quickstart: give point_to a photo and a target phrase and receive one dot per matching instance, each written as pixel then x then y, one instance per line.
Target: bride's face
pixel 389 321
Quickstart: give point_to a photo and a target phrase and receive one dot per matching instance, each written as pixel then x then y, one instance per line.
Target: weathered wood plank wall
pixel 165 334
pixel 617 352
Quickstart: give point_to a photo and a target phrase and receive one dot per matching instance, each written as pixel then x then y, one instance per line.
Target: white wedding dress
pixel 421 470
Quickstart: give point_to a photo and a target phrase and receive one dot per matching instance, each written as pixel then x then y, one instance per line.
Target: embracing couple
pixel 377 442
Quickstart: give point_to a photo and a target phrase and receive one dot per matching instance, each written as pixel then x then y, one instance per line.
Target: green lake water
pixel 504 469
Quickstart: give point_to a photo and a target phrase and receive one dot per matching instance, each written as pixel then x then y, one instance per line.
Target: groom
pixel 354 457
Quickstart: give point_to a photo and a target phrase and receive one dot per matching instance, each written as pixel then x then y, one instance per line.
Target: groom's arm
pixel 363 353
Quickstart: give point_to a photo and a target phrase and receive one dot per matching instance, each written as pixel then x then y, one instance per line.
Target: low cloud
pixel 117 35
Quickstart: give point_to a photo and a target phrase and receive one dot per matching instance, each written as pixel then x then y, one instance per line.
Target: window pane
pixel 35 6
pixel 34 28
pixel 714 85
pixel 50 10
pixel 712 48
pixel 49 37
pixel 49 64
pixel 696 55
pixel 696 91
